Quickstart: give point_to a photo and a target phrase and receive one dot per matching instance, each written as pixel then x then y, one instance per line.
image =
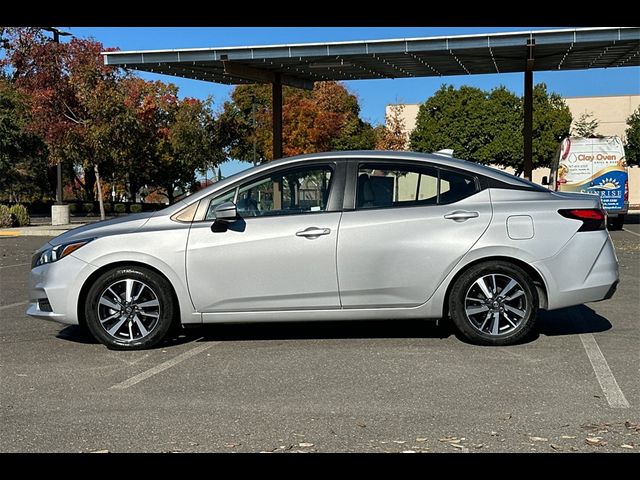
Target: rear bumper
pixel 612 290
pixel 585 270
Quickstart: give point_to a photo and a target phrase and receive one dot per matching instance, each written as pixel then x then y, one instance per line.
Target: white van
pixel 597 166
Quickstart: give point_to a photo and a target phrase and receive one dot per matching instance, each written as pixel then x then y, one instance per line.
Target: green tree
pixel 632 147
pixel 585 126
pixel 551 123
pixel 186 146
pixel 23 154
pixel 486 127
pixel 454 119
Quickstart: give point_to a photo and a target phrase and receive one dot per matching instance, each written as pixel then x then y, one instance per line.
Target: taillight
pixel 626 191
pixel 592 218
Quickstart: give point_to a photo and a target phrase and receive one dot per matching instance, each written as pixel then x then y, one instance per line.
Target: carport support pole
pixel 276 98
pixel 528 114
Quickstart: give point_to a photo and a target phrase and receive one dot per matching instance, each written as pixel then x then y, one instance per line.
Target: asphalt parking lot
pixel 387 386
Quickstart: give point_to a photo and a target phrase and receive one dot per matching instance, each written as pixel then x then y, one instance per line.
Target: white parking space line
pixel 11 305
pixel 162 367
pixel 632 233
pixel 605 377
pixel 16 265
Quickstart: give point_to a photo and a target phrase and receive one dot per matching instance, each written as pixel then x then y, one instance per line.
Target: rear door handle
pixel 313 232
pixel 461 215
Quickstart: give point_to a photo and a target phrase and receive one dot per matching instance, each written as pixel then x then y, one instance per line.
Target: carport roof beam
pixel 567 49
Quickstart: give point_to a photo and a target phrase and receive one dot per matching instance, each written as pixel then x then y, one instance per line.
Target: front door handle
pixel 313 232
pixel 461 215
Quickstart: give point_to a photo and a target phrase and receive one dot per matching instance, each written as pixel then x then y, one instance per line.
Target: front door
pixel 410 226
pixel 281 255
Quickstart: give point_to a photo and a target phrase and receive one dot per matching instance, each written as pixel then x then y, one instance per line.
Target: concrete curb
pixel 38 231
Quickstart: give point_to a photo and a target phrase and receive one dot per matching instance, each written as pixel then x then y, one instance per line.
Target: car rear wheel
pixel 130 308
pixel 494 303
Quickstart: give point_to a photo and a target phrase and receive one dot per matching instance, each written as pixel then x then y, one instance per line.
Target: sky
pixel 373 95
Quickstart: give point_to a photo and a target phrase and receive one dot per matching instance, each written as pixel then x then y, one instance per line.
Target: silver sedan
pixel 334 236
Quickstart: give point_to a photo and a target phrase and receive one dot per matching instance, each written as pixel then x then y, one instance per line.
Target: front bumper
pixel 59 284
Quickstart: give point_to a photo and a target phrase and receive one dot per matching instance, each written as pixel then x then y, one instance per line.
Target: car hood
pixel 115 226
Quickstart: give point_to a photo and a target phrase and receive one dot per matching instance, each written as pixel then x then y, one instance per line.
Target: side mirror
pixel 226 212
pixel 545 180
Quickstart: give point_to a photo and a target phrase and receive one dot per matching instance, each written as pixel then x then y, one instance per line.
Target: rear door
pixel 407 227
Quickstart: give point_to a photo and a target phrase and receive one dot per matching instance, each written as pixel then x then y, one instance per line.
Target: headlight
pixel 56 253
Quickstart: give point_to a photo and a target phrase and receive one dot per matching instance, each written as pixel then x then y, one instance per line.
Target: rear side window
pixel 455 186
pixel 399 185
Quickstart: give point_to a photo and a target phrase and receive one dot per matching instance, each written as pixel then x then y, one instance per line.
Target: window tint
pixel 455 186
pixel 283 193
pixel 397 185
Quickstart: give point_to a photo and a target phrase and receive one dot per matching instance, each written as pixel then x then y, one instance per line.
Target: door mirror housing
pixel 226 212
pixel 545 180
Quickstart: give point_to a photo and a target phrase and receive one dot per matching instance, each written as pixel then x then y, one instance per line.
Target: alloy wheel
pixel 128 310
pixel 496 304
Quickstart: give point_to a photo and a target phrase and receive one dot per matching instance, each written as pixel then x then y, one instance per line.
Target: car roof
pixel 390 155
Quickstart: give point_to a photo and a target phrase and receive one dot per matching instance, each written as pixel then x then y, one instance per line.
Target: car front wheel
pixel 494 303
pixel 130 308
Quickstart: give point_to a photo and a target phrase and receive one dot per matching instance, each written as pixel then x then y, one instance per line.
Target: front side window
pixel 398 185
pixel 288 192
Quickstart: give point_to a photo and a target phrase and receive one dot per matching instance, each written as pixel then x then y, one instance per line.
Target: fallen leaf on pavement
pixel 456 445
pixel 408 451
pixel 626 445
pixel 305 445
pixel 101 451
pixel 567 436
pixel 596 441
pixel 555 447
pixel 232 445
pixel 480 445
pixel 361 424
pixel 494 434
pixel 420 439
pixel 449 440
pixel 538 439
pixel 399 441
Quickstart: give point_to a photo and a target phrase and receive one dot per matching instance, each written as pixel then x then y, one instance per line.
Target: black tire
pixel 616 223
pixel 158 290
pixel 526 302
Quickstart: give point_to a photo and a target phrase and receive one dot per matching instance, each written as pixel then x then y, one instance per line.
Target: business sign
pixel 596 166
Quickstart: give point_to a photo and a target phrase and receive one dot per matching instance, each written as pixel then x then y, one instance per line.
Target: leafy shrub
pixel 73 208
pixel 135 208
pixel 21 213
pixel 5 217
pixel 121 208
pixel 108 208
pixel 87 207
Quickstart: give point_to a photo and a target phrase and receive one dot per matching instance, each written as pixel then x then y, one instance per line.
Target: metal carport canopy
pixel 300 65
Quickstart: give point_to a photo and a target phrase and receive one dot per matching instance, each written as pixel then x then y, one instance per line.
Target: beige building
pixel 611 112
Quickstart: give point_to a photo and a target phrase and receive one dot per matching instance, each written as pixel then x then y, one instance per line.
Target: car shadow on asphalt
pixel 571 321
pixel 364 329
pixel 567 321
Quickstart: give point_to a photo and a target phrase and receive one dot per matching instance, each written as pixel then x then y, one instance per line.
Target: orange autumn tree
pixel 325 118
